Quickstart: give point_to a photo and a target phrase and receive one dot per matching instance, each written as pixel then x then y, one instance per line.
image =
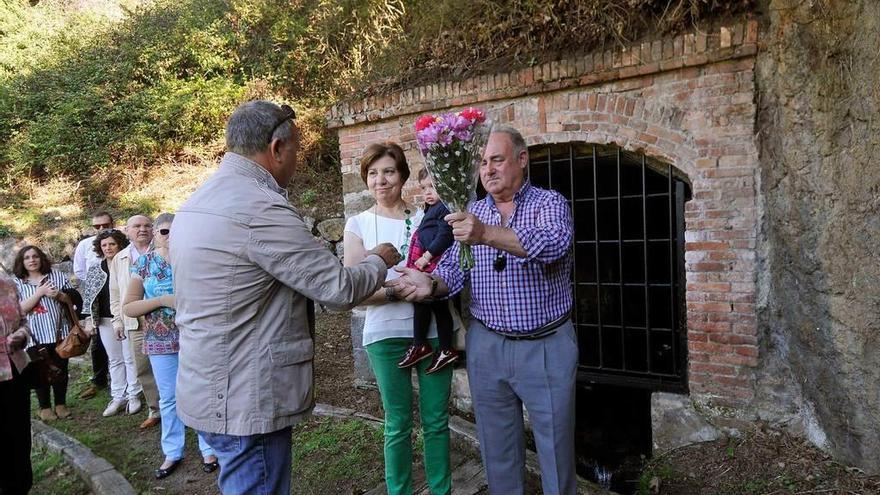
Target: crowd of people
pixel 208 315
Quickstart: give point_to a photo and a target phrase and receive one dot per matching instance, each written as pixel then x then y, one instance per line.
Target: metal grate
pixel 628 277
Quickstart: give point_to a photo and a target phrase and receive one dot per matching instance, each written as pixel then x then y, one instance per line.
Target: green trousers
pixel 395 386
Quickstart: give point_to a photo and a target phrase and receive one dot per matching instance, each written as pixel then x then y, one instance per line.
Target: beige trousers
pixel 144 371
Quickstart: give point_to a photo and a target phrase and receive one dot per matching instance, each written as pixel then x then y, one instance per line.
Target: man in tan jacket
pixel 139 230
pixel 245 267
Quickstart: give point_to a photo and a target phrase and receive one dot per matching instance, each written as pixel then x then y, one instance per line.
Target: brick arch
pixel 720 222
pixel 627 122
pixel 635 146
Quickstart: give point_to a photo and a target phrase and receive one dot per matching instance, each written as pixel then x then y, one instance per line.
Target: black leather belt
pixel 544 331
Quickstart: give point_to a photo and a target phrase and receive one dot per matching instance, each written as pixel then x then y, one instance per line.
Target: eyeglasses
pixel 164 231
pixel 102 226
pixel 289 114
pixel 499 263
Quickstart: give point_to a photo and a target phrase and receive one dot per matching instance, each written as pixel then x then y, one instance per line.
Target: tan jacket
pixel 243 265
pixel 120 275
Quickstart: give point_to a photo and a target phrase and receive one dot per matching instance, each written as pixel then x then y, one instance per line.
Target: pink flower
pixel 424 121
pixel 473 114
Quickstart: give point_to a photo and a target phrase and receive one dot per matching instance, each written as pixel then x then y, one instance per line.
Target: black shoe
pixel 210 467
pixel 164 473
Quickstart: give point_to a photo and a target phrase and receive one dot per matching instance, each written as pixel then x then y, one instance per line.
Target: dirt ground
pixel 764 461
pixel 334 368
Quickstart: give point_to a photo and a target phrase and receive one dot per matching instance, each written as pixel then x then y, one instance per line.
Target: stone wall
pixel 819 122
pixel 688 100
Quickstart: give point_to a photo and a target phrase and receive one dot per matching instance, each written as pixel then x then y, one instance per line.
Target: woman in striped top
pixel 40 293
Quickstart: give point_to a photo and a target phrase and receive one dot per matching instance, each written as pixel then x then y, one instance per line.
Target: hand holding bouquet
pixel 453 144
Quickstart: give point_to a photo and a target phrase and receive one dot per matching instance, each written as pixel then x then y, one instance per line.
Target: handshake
pixel 388 253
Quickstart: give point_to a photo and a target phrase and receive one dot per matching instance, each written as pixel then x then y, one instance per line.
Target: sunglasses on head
pixel 289 114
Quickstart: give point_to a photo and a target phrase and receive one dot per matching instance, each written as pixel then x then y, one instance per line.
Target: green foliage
pixel 52 476
pixel 658 470
pixel 308 197
pixel 86 92
pixel 330 451
pixel 43 462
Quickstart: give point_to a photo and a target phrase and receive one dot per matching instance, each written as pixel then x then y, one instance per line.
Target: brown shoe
pixel 414 354
pixel 47 414
pixel 62 411
pixel 89 392
pixel 442 359
pixel 150 422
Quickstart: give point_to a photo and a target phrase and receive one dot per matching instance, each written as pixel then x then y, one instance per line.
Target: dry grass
pixel 55 213
pixel 460 38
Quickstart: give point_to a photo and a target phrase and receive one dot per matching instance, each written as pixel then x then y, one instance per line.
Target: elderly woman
pixel 15 404
pixel 151 295
pixel 41 299
pixel 388 329
pixel 124 384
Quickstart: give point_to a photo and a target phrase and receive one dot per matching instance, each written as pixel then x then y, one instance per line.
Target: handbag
pixel 77 341
pixel 43 370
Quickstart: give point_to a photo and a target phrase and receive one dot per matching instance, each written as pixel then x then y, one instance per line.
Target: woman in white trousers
pixel 124 386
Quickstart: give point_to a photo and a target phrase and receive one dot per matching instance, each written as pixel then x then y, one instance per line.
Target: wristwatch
pixel 434 282
pixel 390 295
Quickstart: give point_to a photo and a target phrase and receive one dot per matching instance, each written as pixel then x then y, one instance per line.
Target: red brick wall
pixel 688 101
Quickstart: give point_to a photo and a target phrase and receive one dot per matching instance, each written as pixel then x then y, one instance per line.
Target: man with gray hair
pixel 245 268
pixel 521 345
pixel 139 230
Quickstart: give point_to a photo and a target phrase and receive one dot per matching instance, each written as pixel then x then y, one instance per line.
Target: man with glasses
pixel 83 259
pixel 139 230
pixel 84 256
pixel 521 345
pixel 245 268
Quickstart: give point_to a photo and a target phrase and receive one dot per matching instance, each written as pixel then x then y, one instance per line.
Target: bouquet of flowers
pixel 453 144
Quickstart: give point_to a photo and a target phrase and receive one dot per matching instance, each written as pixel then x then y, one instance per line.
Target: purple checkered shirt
pixel 532 291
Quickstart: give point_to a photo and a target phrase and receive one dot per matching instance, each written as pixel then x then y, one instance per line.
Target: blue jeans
pixel 253 464
pixel 173 431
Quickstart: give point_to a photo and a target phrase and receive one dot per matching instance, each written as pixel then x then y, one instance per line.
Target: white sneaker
pixel 114 407
pixel 134 405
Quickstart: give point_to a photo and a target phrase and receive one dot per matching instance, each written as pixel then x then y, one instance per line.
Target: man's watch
pixel 390 295
pixel 434 283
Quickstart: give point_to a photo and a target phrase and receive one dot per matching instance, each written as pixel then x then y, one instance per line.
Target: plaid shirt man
pixel 529 292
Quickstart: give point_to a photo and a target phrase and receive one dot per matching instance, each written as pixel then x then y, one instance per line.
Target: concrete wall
pixel 819 312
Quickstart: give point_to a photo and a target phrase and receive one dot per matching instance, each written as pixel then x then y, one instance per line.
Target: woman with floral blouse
pixel 15 415
pixel 151 295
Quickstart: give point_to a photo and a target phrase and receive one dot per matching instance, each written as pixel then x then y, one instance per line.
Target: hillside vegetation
pixel 121 105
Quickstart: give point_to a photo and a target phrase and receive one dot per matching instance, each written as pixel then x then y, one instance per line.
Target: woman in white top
pixel 388 329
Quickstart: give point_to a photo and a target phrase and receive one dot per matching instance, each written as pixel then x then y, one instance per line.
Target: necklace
pixel 404 248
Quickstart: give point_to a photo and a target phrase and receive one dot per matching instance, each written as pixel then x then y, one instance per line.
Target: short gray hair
pixel 247 130
pixel 138 215
pixel 519 143
pixel 164 218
